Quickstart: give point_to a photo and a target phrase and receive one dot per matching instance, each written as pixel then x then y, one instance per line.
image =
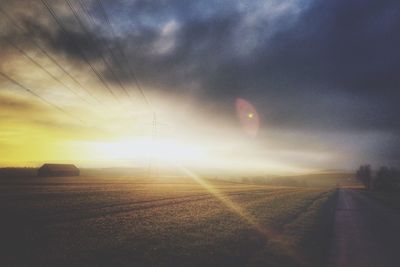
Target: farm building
pixel 58 170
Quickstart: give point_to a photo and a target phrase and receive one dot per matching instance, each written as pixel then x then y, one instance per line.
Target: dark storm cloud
pixel 321 65
pixel 334 68
pixel 348 47
pixel 73 42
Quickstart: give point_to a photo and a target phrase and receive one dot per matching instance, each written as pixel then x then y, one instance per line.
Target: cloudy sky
pixel 86 81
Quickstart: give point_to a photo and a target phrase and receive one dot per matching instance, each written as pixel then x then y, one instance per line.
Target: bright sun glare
pixel 162 150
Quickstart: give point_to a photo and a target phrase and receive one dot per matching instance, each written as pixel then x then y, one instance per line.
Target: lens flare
pixel 266 232
pixel 248 117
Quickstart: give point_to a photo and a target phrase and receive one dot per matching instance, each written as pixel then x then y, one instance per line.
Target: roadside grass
pixel 166 224
pixel 312 231
pixel 304 239
pixel 390 199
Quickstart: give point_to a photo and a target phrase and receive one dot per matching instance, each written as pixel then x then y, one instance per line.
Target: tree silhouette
pixel 386 179
pixel 363 174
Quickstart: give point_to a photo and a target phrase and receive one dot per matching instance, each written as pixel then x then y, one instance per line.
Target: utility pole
pixel 152 159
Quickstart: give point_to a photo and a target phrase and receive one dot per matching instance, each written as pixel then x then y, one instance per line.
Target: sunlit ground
pixel 193 222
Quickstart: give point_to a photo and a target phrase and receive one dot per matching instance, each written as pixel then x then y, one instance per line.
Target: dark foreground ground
pixel 121 222
pixel 367 232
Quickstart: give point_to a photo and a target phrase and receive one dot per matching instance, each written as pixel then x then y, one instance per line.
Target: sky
pixel 127 82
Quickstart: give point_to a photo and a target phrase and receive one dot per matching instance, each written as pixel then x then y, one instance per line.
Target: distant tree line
pixel 18 172
pixel 276 181
pixel 385 178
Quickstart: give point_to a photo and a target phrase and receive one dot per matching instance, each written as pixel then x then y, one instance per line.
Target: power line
pixel 48 55
pixel 87 14
pixel 93 40
pixel 29 90
pixel 44 69
pixel 122 52
pixel 82 55
pixel 133 76
pixel 155 122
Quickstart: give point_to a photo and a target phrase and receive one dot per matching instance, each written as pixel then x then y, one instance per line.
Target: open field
pixel 90 221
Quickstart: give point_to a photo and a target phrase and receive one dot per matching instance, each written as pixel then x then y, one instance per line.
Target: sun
pixel 250 115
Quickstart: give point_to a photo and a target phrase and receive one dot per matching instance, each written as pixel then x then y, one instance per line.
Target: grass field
pixel 120 222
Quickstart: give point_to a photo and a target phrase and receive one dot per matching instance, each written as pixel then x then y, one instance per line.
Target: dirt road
pixel 366 233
